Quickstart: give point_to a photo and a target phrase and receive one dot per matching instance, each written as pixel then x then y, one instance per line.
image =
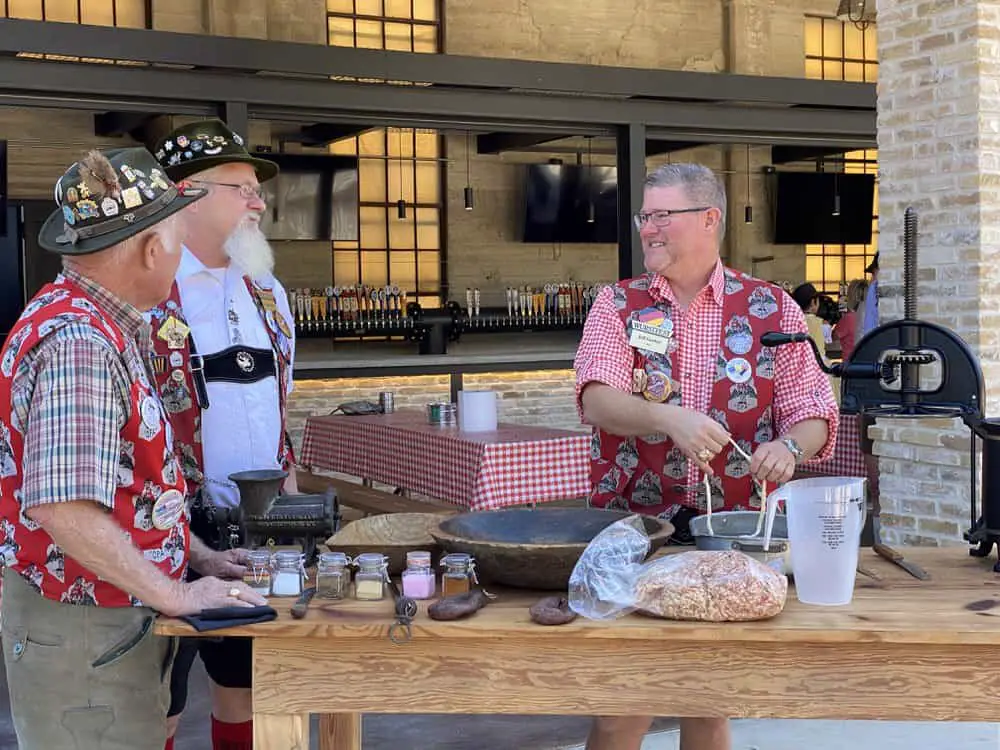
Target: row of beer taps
pixel 344 308
pixel 565 302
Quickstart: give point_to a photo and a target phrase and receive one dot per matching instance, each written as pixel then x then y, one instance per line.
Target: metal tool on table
pixel 301 605
pixel 266 515
pixel 406 610
pixel 913 369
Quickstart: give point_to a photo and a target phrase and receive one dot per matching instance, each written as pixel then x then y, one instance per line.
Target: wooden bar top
pixel 896 609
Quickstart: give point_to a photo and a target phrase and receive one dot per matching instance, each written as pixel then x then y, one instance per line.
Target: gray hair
pixel 699 183
pixel 168 230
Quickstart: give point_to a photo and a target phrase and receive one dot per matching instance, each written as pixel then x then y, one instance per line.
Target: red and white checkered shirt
pixel 801 390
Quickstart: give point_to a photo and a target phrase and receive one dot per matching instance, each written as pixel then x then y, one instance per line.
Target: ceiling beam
pixel 415 106
pixel 322 61
pixel 657 148
pixel 788 154
pixel 118 124
pixel 325 133
pixel 497 143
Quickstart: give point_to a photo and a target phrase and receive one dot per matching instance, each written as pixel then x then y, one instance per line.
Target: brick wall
pixel 937 146
pixel 545 398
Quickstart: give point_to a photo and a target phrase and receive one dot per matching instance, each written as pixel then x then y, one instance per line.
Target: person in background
pixel 94 534
pixel 846 330
pixel 226 342
pixel 660 424
pixel 809 301
pixel 869 318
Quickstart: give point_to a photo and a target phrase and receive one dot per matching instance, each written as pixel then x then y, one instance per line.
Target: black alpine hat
pixel 205 144
pixel 109 196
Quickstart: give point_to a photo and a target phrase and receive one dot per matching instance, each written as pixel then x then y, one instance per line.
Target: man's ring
pixel 234 593
pixel 705 455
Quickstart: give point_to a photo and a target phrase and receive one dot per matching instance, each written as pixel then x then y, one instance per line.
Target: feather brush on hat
pixel 99 176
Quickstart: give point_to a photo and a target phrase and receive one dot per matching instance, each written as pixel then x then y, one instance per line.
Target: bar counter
pixel 498 352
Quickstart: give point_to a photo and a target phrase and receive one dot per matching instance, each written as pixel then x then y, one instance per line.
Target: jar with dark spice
pixel 459 574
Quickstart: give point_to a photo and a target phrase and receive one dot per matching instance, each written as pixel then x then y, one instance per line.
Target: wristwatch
pixel 793 447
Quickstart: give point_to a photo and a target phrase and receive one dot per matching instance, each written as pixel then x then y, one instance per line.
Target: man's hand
pixel 772 462
pixel 696 435
pixel 212 593
pixel 228 564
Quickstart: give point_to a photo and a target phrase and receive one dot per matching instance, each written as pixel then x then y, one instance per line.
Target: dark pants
pixel 59 699
pixel 228 659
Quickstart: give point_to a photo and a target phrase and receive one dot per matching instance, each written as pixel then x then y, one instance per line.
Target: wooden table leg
pixel 281 732
pixel 340 732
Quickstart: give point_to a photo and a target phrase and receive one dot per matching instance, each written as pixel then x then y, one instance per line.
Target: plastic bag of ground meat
pixel 611 580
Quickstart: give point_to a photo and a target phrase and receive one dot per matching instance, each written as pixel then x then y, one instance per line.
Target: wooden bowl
pixel 392 534
pixel 533 549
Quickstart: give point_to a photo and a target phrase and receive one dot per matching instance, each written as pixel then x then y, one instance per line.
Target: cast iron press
pixel 913 369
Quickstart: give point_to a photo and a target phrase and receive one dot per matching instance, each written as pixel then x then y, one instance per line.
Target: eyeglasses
pixel 247 192
pixel 662 218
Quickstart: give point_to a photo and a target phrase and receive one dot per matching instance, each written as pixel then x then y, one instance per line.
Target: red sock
pixel 170 744
pixel 232 736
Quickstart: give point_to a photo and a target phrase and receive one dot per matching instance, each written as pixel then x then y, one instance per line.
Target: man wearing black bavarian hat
pixel 94 533
pixel 227 344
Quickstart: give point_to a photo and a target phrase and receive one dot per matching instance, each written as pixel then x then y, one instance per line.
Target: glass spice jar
pixel 459 574
pixel 369 581
pixel 288 573
pixel 418 578
pixel 258 572
pixel 332 575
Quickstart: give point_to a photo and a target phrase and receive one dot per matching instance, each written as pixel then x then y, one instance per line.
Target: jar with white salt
pixel 288 573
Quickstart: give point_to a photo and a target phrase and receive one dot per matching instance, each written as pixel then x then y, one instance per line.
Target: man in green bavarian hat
pixel 94 532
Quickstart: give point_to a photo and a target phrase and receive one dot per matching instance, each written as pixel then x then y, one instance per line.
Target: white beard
pixel 248 248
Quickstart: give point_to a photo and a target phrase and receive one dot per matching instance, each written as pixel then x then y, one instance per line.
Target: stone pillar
pixel 939 152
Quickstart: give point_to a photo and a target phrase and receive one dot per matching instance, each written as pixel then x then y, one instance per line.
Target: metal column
pixel 631 141
pixel 236 117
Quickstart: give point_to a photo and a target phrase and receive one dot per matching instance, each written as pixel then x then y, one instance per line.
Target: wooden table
pixel 903 650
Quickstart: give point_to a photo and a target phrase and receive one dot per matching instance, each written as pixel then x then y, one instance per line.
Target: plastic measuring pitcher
pixel 825 519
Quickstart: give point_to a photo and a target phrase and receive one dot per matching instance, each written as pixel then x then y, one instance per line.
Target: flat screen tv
pixel 313 197
pixel 570 203
pixel 804 208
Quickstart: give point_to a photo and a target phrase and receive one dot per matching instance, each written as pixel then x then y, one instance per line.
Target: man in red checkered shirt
pixel 672 375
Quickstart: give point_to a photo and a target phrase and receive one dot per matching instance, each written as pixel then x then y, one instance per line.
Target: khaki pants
pixel 59 698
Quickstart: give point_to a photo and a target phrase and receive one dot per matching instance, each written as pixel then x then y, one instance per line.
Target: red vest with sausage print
pixel 649 475
pixel 149 499
pixel 175 380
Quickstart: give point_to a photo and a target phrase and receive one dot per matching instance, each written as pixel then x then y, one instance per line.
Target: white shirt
pixel 241 428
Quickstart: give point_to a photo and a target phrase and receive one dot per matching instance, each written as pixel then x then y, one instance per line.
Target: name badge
pixel 650 337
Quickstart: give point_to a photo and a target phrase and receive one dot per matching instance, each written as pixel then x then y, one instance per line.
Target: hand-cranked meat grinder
pixel 266 515
pixel 915 369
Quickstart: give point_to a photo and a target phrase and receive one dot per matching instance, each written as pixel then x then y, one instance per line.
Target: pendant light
pixel 590 181
pixel 401 203
pixel 468 170
pixel 748 211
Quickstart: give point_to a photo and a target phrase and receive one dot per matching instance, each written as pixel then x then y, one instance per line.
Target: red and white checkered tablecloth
pixel 513 465
pixel 847 459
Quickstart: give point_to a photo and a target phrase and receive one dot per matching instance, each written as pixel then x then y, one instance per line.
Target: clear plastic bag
pixel 610 580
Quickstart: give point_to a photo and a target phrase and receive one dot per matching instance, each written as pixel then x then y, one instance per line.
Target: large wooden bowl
pixel 392 534
pixel 533 549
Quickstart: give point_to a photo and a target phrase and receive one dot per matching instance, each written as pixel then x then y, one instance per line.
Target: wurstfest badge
pixel 167 509
pixel 658 387
pixel 173 332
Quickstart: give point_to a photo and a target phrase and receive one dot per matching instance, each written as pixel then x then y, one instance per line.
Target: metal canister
pixel 449 414
pixel 434 413
pixel 387 400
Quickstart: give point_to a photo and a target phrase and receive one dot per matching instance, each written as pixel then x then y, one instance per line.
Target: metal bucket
pixel 734 530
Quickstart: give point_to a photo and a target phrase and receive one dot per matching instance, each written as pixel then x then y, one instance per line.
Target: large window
pixel 839 51
pixel 130 13
pixel 394 164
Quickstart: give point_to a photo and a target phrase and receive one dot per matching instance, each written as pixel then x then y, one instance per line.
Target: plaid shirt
pixel 801 390
pixel 71 393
